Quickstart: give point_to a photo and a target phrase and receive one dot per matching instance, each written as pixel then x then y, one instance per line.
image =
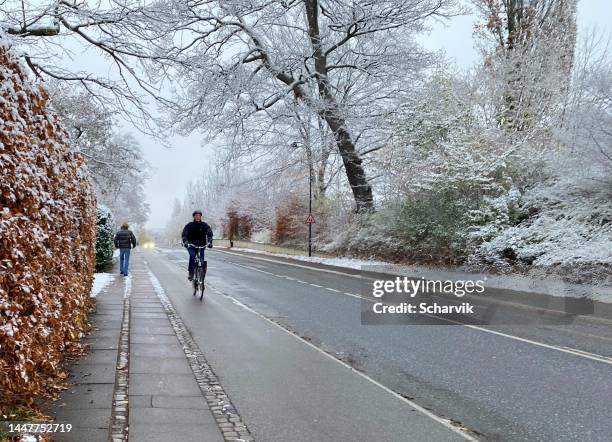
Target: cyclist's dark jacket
pixel 197 233
pixel 125 239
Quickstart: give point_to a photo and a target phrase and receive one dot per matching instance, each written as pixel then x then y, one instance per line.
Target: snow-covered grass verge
pixel 545 285
pixel 101 280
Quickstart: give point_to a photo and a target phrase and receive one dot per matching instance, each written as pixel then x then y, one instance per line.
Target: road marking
pixel 496 301
pixel 573 351
pixel 262 271
pixel 212 392
pixel 568 350
pixel 285 277
pixel 588 335
pixel 445 422
pixel 298 265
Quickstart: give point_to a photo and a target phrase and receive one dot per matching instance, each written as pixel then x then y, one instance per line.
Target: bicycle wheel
pixel 195 282
pixel 202 287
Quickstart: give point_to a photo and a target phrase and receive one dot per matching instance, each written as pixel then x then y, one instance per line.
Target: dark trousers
pixel 192 253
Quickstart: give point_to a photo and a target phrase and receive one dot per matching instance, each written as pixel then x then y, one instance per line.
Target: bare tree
pixel 53 36
pixel 531 53
pixel 115 161
pixel 235 63
pixel 586 126
pixel 245 62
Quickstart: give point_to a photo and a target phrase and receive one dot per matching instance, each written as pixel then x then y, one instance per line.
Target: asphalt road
pixel 522 383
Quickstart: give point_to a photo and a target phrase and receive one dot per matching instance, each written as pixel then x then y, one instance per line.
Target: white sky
pixel 173 168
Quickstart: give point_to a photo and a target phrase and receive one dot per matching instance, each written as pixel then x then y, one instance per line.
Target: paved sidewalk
pixel 164 402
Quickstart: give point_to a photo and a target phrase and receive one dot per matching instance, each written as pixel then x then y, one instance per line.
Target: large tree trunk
pixel 362 191
pixel 352 162
pixel 322 166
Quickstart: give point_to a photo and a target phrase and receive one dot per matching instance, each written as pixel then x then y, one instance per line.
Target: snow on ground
pixel 547 286
pixel 101 280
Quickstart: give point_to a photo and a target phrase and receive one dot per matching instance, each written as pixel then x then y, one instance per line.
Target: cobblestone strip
pixel 229 421
pixel 119 415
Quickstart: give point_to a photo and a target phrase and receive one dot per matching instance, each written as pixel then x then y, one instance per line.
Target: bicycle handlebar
pixel 197 247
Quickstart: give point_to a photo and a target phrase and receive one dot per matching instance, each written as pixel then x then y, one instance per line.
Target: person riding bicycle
pixel 196 233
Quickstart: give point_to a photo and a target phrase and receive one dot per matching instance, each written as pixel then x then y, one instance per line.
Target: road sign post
pixel 310 221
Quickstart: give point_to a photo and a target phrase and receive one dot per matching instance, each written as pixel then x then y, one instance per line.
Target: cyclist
pixel 199 234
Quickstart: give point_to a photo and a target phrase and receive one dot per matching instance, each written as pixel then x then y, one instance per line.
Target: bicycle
pixel 199 272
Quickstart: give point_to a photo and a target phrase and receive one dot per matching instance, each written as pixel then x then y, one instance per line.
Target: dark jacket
pixel 197 233
pixel 125 239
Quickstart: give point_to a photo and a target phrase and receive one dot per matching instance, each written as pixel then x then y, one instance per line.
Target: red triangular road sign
pixel 310 219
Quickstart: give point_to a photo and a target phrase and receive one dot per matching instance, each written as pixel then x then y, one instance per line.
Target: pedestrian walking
pixel 125 241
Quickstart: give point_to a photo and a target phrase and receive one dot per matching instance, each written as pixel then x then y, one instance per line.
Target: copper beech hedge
pixel 47 238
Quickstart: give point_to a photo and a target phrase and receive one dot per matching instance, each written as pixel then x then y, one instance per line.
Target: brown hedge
pixel 47 237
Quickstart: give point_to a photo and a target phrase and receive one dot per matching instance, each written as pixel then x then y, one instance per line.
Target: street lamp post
pixel 310 219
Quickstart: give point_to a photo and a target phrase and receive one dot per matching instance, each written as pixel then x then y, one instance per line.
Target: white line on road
pixel 568 350
pixel 572 351
pixel 317 269
pixel 296 265
pixel 445 422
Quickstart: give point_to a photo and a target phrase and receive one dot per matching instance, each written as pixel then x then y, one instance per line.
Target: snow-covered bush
pixel 367 235
pixel 105 233
pixel 568 231
pixel 47 237
pixel 562 223
pixel 455 171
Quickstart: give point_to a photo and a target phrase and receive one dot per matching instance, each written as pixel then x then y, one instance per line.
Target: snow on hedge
pixel 47 237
